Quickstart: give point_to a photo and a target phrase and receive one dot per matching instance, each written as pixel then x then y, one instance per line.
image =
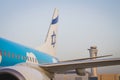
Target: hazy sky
pixel 82 23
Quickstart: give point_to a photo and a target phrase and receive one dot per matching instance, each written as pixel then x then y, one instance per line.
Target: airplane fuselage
pixel 12 53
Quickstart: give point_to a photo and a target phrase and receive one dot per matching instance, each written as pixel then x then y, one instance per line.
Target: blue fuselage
pixel 12 53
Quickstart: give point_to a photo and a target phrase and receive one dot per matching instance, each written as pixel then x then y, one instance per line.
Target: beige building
pixel 70 77
pixel 109 77
pixel 76 77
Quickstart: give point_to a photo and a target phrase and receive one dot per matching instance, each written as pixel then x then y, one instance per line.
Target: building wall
pixel 77 77
pixel 109 77
pixel 117 76
pixel 70 77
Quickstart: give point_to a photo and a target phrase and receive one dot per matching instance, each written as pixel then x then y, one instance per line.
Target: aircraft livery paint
pixel 0 56
pixel 54 21
pixel 13 53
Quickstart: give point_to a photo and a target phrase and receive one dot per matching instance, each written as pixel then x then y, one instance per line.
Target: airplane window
pixel 18 56
pixel 0 52
pixel 13 55
pixel 8 54
pixel 4 53
pixel 24 58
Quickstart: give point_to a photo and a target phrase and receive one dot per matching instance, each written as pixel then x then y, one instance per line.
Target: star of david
pixel 53 39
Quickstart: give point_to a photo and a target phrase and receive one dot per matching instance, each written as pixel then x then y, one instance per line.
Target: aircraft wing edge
pixel 62 67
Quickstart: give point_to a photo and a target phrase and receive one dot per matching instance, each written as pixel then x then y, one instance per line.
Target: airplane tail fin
pixel 49 45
